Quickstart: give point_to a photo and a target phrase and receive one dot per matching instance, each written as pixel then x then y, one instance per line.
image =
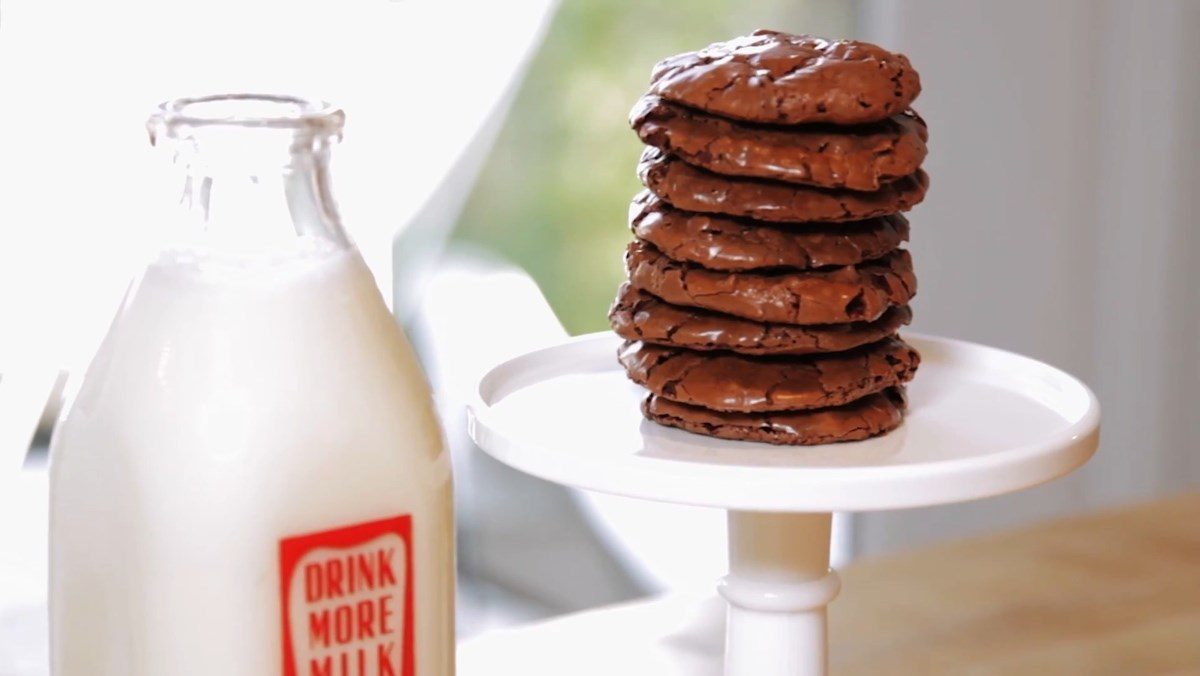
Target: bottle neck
pixel 251 185
pixel 230 210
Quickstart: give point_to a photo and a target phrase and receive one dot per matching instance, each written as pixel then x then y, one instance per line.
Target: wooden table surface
pixel 1113 593
pixel 1116 593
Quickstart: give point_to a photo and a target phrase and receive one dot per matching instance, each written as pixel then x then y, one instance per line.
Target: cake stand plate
pixel 981 422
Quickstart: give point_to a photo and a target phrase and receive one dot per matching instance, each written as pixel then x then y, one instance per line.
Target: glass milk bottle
pixel 252 479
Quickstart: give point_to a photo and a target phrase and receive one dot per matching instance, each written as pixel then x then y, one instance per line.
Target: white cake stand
pixel 981 422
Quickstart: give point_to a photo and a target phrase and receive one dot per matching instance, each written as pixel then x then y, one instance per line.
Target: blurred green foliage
pixel 552 197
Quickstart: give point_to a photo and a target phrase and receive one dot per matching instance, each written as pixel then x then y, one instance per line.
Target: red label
pixel 347 600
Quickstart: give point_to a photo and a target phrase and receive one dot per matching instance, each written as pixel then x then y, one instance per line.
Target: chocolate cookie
pixel 724 381
pixel 725 243
pixel 637 315
pixel 829 296
pixel 870 416
pixel 859 158
pixel 779 78
pixel 694 189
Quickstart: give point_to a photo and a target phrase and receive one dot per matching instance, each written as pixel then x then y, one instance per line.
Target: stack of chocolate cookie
pixel 767 282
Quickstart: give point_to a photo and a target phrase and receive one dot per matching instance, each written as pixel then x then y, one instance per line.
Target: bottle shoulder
pixel 251 362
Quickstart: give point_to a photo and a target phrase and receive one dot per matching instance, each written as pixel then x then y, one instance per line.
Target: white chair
pixel 24 394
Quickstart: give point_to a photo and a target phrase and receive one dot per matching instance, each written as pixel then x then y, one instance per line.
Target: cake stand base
pixel 778 585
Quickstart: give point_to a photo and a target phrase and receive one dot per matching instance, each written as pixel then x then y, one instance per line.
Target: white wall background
pixel 1062 223
pixel 418 79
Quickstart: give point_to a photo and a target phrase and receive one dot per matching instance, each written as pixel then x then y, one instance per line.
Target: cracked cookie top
pixel 693 189
pixel 778 78
pixel 839 295
pixel 724 381
pixel 860 419
pixel 637 315
pixel 859 158
pixel 725 243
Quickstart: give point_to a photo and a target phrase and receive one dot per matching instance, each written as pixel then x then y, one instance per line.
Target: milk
pixel 252 480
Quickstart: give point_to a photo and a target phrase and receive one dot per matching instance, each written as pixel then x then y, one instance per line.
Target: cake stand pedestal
pixel 981 422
